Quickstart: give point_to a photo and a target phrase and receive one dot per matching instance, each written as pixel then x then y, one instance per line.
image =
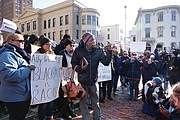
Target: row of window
pixel 160 17
pixel 28 26
pixel 90 20
pixel 160 31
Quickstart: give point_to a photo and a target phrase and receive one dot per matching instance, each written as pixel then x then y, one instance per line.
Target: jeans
pixel 45 109
pixel 93 93
pixel 17 110
pixel 115 81
pixel 107 84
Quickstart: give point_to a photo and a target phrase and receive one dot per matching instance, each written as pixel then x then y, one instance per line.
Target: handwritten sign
pixel 8 26
pixel 104 73
pixel 45 79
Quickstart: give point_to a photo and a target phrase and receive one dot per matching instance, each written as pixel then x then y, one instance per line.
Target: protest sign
pixel 137 46
pixel 104 73
pixel 8 26
pixel 45 79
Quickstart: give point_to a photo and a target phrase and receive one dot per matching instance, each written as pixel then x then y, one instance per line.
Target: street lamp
pixel 125 26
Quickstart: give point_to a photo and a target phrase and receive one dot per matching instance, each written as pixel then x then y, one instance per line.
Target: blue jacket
pixel 14 76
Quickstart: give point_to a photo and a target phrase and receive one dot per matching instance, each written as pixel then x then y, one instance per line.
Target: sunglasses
pixel 21 41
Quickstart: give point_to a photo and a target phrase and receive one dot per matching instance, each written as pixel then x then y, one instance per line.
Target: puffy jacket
pixel 14 76
pixel 89 76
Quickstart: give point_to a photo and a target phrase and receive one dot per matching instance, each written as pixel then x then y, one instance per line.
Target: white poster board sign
pixel 8 26
pixel 104 72
pixel 45 79
pixel 137 46
pixel 34 48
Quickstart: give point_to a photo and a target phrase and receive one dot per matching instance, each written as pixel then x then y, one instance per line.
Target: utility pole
pixel 125 27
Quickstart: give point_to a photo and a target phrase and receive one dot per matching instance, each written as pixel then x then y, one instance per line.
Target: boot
pixel 122 90
pixel 136 95
pixel 131 94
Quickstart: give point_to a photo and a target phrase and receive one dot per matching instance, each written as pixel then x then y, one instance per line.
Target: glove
pixel 32 67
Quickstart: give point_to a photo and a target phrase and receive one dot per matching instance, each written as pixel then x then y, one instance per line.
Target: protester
pixel 87 57
pixel 134 75
pixel 14 77
pixel 62 103
pixel 61 45
pixel 45 109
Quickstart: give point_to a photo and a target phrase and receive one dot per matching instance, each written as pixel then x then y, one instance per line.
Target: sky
pixel 112 11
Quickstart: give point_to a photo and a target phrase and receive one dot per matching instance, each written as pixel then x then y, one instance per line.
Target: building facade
pixel 11 9
pixel 159 26
pixel 113 34
pixel 71 17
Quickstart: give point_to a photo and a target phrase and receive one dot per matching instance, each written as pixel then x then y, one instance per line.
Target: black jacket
pixel 89 76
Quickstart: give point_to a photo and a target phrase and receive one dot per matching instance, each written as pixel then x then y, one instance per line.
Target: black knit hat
pixel 68 41
pixel 33 38
pixel 43 41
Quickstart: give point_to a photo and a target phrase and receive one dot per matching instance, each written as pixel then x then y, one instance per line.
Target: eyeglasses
pixel 125 54
pixel 21 41
pixel 71 45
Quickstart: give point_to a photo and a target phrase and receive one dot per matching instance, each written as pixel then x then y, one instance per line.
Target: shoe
pixel 101 101
pixel 114 93
pixel 110 98
pixel 128 92
pixel 122 91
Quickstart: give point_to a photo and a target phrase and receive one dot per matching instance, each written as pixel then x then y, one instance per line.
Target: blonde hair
pixel 176 90
pixel 13 36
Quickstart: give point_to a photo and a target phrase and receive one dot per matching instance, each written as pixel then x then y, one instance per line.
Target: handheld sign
pixel 8 26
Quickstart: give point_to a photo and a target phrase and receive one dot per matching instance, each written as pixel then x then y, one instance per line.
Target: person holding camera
pixel 134 74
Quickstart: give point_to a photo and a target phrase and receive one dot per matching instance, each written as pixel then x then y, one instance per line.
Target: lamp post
pixel 125 27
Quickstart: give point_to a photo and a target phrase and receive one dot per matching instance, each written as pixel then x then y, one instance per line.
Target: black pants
pixel 17 110
pixel 108 85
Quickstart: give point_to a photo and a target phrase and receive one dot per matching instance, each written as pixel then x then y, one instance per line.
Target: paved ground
pixel 119 109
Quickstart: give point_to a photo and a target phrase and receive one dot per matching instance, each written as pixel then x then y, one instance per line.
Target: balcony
pixel 148 39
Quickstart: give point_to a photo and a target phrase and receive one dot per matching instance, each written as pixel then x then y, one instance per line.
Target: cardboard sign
pixel 104 72
pixel 46 78
pixel 8 26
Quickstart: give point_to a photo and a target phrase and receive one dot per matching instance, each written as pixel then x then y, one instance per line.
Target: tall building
pixel 11 9
pixel 70 16
pixel 159 26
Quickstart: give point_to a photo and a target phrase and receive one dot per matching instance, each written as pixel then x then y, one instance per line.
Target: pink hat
pixel 87 36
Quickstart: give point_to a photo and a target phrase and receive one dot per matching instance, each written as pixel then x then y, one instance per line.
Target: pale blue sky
pixel 113 11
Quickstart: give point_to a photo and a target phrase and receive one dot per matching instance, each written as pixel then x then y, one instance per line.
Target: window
pixel 173 15
pixel 83 31
pixel 160 16
pixel 22 27
pixel 134 39
pixel 44 24
pixel 34 25
pixel 97 21
pixel 173 31
pixel 54 35
pixel 66 31
pixel 173 45
pixel 77 20
pixel 147 18
pixel 54 22
pixel 147 32
pixel 61 20
pixel 66 19
pixel 93 20
pixel 61 34
pixel 77 34
pixel 44 34
pixel 83 20
pixel 94 32
pixel 108 36
pixel 49 23
pixel 88 19
pixel 160 31
pixel 49 35
pixel 28 26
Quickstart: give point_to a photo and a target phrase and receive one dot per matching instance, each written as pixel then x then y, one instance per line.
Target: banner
pixel 8 26
pixel 104 73
pixel 46 78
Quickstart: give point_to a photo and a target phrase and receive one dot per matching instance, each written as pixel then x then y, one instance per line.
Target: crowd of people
pixel 158 70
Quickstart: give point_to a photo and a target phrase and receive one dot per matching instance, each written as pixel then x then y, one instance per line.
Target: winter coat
pixel 90 75
pixel 14 76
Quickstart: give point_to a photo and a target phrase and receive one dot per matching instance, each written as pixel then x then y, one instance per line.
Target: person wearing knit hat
pixel 87 36
pixel 157 80
pixel 86 58
pixel 33 39
pixel 45 44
